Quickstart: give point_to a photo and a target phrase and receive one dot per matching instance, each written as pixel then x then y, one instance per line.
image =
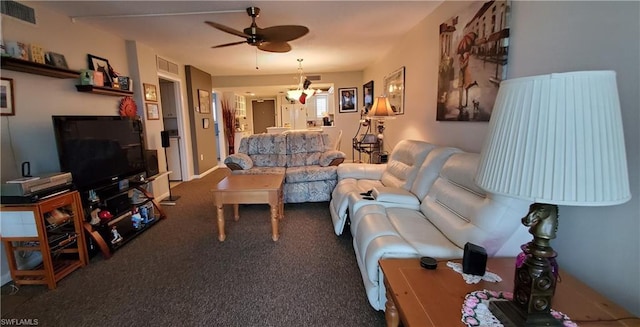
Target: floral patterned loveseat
pixel 305 158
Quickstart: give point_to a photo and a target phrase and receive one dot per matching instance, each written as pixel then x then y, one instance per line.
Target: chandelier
pixel 303 91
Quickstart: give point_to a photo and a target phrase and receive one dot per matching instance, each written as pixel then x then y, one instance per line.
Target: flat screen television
pixel 99 150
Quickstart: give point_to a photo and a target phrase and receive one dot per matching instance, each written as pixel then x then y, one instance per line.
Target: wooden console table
pixel 421 297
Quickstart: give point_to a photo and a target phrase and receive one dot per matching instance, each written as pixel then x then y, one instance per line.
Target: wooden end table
pixel 420 297
pixel 250 189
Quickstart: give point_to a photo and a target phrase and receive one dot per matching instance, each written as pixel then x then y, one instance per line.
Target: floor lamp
pixel 171 200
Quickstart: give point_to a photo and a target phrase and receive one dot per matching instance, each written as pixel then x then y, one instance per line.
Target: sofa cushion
pixel 422 235
pixel 316 191
pixel 405 160
pixel 395 195
pixel 465 213
pixel 266 150
pixel 261 170
pixel 310 173
pixel 430 170
pixel 305 148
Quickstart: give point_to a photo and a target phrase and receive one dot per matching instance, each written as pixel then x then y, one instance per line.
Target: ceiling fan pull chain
pixel 257 59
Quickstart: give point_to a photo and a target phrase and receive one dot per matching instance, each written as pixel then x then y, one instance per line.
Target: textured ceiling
pixel 344 35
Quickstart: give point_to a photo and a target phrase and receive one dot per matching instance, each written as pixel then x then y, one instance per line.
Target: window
pixel 322 105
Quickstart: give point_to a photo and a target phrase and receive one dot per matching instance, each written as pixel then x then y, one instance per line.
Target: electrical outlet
pixel 202 157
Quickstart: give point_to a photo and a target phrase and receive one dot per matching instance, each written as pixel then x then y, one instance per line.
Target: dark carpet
pixel 178 274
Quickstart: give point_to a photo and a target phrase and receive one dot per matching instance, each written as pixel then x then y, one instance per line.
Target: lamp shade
pixel 557 139
pixel 294 94
pixel 381 108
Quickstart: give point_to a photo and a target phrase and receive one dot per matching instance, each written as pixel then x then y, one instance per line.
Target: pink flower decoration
pixel 471 321
pixel 481 295
pixel 494 294
pixel 468 311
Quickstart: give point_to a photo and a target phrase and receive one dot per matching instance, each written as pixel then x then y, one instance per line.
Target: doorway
pixel 264 115
pixel 173 120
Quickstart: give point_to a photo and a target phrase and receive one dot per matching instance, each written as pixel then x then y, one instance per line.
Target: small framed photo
pixel 101 65
pixel 203 102
pixel 367 96
pixel 348 99
pixel 152 111
pixel 205 123
pixel 7 106
pixel 150 92
pixel 55 60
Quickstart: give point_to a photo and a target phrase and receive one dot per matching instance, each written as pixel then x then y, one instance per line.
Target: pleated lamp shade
pixel 381 108
pixel 557 139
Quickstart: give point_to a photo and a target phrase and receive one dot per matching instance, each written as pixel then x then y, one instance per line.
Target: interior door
pixel 264 115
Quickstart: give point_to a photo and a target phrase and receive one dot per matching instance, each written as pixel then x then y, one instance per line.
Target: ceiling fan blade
pixel 275 46
pixel 283 33
pixel 227 29
pixel 228 44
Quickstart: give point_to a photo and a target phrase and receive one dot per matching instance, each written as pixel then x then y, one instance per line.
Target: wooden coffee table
pixel 420 297
pixel 250 189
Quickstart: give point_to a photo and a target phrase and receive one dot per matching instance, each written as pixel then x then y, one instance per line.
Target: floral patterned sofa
pixel 305 158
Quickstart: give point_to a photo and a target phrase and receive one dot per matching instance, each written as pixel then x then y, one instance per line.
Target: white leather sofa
pixel 441 211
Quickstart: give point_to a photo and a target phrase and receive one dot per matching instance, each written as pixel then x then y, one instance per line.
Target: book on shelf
pixel 23 180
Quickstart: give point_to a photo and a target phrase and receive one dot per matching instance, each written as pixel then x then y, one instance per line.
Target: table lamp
pixel 554 140
pixel 381 110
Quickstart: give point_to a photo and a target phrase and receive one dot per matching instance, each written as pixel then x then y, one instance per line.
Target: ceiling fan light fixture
pixel 294 94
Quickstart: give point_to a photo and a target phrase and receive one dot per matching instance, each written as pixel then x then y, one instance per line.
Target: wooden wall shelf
pixel 102 90
pixel 30 67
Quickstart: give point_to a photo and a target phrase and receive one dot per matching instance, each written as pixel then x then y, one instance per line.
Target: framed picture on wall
pixel 101 65
pixel 394 89
pixel 203 102
pixel 152 111
pixel 473 61
pixel 7 107
pixel 348 99
pixel 367 96
pixel 150 92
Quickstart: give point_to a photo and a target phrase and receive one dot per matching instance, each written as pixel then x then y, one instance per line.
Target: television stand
pixel 109 234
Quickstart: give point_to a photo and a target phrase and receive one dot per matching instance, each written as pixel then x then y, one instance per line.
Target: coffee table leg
pixel 221 235
pixel 391 313
pixel 281 204
pixel 274 221
pixel 236 211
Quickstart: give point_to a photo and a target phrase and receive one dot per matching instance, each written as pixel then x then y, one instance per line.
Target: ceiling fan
pixel 271 39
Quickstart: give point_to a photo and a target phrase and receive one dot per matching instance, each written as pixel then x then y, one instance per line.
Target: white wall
pixel 600 246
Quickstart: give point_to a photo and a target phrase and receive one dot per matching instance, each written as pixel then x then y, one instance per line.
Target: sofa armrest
pixel 238 161
pixel 331 158
pixel 361 171
pixel 395 195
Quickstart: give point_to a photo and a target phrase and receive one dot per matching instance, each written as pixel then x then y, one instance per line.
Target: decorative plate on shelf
pixel 128 107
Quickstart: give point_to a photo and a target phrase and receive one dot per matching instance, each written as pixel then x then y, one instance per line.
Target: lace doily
pixel 474 279
pixel 475 310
